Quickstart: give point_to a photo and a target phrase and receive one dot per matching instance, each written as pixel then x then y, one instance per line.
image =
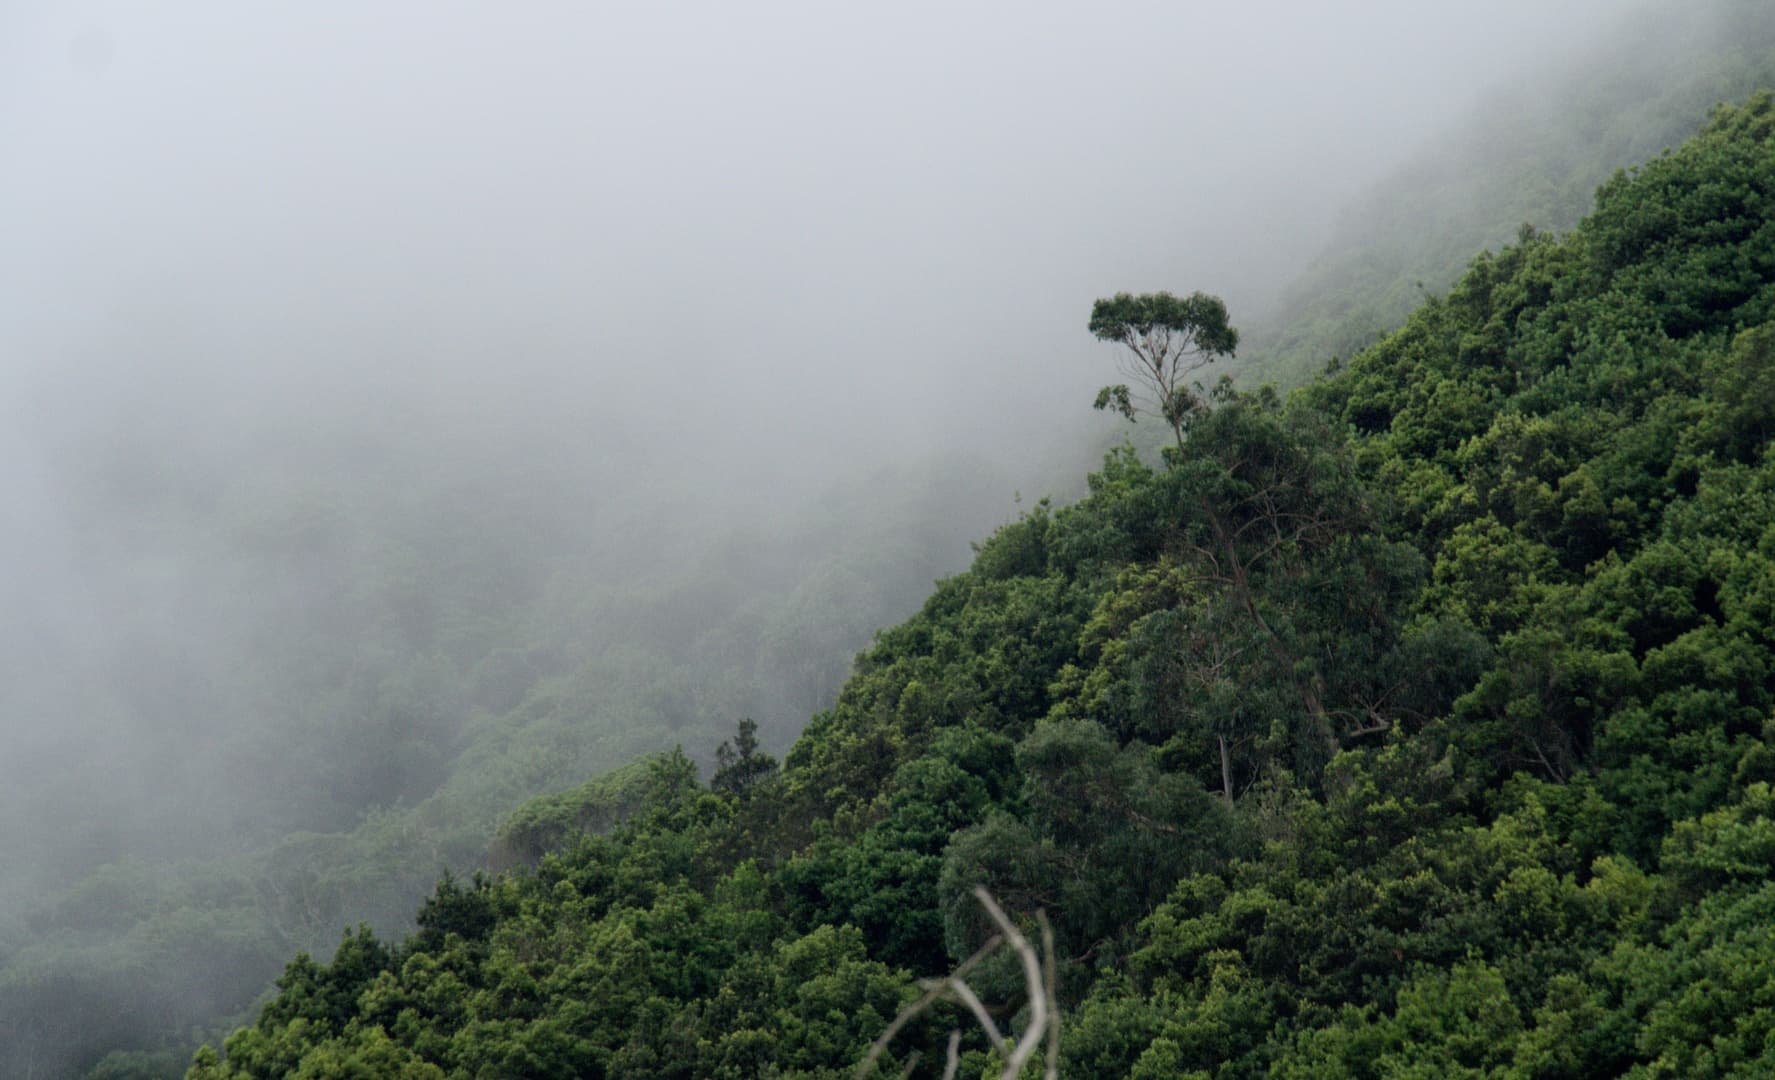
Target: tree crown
pixel 1167 338
pixel 1197 322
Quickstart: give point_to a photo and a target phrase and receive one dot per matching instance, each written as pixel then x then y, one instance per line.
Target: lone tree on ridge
pixel 1168 339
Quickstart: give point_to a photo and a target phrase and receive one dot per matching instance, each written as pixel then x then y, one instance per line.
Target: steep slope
pixel 384 648
pixel 1476 633
pixel 1532 153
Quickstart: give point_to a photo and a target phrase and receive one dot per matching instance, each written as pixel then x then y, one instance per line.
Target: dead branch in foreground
pixel 1044 1005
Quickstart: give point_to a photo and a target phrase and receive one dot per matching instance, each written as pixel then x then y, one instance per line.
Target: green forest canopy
pixel 1485 621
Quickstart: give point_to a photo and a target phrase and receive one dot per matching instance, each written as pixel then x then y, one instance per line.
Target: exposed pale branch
pixel 1044 1004
pixel 954 1061
pixel 1050 983
pixel 934 993
pixel 965 994
pixel 1032 974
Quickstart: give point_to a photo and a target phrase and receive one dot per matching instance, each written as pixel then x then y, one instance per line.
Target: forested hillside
pixel 1475 632
pixel 352 689
pixel 1533 152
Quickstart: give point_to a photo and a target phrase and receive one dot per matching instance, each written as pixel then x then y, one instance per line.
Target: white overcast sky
pixel 869 222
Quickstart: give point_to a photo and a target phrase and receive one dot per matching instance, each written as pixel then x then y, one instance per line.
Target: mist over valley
pixel 408 411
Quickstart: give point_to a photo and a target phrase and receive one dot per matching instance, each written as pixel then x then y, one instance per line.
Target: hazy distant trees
pixel 1168 338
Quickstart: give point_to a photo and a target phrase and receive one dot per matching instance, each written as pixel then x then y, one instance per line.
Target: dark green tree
pixel 1168 338
pixel 738 764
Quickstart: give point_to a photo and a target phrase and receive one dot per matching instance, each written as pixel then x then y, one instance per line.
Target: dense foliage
pixel 1418 725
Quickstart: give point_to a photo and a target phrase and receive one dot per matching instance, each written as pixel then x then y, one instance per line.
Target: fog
pixel 725 218
pixel 575 294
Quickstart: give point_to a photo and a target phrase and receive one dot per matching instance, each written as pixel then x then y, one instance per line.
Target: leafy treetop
pixel 1167 338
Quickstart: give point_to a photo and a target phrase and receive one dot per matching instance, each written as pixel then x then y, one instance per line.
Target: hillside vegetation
pixel 1477 633
pixel 355 688
pixel 1532 152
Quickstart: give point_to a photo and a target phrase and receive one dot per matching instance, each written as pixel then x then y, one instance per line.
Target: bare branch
pixel 1043 997
pixel 931 997
pixel 954 1055
pixel 1032 974
pixel 1553 773
pixel 1051 983
pixel 966 994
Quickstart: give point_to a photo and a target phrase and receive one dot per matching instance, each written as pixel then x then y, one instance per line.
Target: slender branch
pixel 1379 724
pixel 1044 1003
pixel 931 996
pixel 1226 769
pixel 1051 984
pixel 1032 974
pixel 954 1055
pixel 1554 774
pixel 966 993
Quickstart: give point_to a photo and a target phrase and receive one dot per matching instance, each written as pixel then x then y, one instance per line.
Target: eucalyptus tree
pixel 1168 339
